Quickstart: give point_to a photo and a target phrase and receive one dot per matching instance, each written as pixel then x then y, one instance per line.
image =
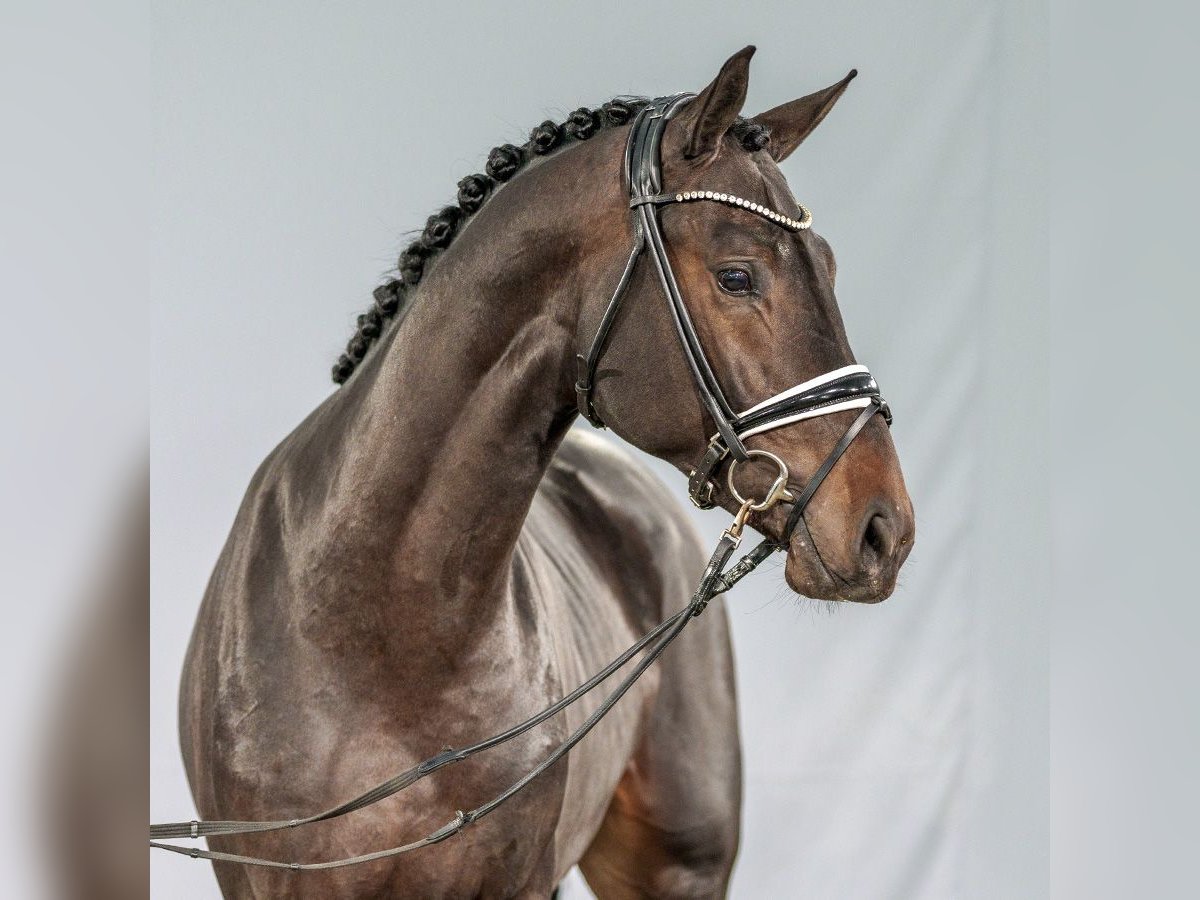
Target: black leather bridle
pixel 846 388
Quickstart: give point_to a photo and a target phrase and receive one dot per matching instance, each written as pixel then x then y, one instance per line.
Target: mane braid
pixel 503 163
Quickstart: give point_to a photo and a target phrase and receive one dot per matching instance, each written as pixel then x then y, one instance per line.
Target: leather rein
pixel 846 388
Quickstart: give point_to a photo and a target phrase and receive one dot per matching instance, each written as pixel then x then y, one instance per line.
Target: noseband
pixel 850 387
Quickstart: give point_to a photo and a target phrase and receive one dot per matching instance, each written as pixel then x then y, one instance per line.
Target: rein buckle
pixel 734 531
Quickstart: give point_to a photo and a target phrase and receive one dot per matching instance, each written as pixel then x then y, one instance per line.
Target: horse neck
pixel 451 423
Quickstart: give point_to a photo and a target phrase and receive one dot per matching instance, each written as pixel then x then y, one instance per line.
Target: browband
pixel 801 224
pixel 850 387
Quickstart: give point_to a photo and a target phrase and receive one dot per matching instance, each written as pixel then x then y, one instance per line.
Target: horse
pixel 435 552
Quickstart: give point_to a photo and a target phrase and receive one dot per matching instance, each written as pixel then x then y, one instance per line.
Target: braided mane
pixel 503 163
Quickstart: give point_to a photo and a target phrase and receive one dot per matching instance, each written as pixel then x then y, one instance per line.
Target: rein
pixel 846 388
pixel 713 582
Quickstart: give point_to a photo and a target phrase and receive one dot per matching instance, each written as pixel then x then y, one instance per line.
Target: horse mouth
pixel 810 575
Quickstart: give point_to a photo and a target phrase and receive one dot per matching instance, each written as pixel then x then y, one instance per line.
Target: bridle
pixel 849 387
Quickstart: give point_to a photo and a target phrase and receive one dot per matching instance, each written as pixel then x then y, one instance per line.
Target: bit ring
pixel 776 492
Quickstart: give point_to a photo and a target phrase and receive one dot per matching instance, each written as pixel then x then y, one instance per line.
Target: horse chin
pixel 806 574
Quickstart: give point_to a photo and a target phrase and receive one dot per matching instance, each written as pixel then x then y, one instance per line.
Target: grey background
pixel 892 751
pixel 1089 158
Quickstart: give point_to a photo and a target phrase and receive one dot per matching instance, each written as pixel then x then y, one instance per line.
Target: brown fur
pixel 430 556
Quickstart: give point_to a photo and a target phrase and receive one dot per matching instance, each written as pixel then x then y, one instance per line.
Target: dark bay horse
pixel 432 554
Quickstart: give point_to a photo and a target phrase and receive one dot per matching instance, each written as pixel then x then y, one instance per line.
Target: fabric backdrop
pixel 892 751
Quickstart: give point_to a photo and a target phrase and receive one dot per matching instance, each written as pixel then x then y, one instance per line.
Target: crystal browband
pixel 805 220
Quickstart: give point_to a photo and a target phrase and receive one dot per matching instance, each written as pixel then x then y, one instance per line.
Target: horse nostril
pixel 878 542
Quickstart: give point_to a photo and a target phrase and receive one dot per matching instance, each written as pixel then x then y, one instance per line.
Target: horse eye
pixel 734 281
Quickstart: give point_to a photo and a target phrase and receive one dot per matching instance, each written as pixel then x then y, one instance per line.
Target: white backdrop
pixel 895 751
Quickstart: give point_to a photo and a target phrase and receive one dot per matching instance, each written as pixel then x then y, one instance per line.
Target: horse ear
pixel 706 119
pixel 792 122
